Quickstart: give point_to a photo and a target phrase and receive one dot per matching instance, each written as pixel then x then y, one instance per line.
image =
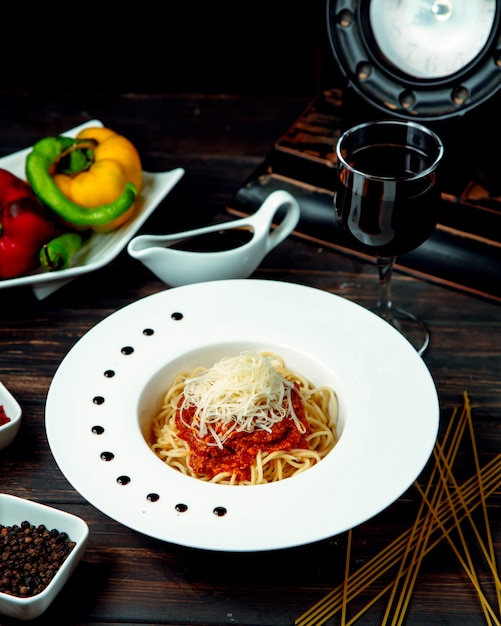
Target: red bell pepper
pixel 25 226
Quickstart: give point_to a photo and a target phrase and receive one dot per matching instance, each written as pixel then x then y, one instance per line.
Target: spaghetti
pixel 247 420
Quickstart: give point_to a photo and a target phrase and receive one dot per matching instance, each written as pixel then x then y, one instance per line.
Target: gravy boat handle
pixel 261 220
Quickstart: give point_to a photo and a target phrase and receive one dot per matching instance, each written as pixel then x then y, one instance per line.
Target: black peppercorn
pixel 30 557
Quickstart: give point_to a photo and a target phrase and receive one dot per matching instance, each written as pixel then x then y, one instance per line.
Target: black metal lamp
pixel 434 61
pixel 418 59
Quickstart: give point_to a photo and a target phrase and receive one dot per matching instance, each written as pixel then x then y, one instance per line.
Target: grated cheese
pixel 241 393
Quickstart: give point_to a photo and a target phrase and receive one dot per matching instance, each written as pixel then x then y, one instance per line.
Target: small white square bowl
pixel 13 411
pixel 14 510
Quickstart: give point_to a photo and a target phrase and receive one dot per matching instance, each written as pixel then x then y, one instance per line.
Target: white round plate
pixel 112 382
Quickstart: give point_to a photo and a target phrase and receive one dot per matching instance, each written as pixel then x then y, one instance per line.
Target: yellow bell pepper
pixel 115 162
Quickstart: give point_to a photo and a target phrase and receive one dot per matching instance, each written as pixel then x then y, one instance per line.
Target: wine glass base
pixel 411 327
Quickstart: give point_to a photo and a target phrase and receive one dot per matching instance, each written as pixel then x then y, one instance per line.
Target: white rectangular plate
pixel 100 248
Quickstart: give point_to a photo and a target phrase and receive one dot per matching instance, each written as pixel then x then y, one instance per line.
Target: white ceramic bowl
pixel 13 411
pixel 14 510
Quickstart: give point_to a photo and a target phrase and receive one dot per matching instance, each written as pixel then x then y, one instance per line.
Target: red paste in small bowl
pixel 4 419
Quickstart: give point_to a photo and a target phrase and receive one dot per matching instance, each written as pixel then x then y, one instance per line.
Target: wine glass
pixel 386 202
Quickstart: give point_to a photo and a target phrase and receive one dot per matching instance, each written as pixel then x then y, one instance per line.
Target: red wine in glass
pixel 386 200
pixel 393 213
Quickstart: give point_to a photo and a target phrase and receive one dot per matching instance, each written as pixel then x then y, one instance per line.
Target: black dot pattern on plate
pixel 220 511
pixel 107 456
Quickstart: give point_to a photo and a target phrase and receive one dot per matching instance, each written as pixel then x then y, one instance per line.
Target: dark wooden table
pixel 128 578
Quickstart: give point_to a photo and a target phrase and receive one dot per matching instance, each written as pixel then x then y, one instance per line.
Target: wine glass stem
pixel 385 268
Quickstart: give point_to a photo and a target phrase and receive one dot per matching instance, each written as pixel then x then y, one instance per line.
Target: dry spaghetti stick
pixel 490 554
pixel 425 531
pixel 424 524
pixel 465 561
pixel 412 573
pixel 413 570
pixel 487 554
pixel 419 544
pixel 465 558
pixel 346 576
pixel 367 606
pixel 470 570
pixel 387 553
pixel 328 606
pixel 385 561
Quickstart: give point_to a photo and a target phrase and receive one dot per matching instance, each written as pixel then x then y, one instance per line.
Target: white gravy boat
pixel 176 266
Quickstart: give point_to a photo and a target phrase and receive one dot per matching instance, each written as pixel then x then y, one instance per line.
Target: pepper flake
pixel 4 419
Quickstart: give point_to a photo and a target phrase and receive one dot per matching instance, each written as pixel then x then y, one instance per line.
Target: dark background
pixel 235 47
pixel 260 48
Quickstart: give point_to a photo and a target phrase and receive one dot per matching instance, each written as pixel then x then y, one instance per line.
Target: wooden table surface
pixel 128 578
